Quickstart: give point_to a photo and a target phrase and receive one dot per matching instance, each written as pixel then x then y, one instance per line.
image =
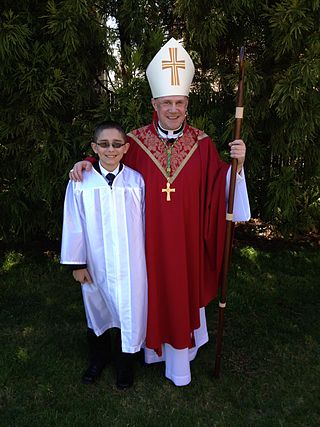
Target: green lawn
pixel 271 354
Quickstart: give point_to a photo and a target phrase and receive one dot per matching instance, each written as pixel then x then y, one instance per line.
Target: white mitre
pixel 171 71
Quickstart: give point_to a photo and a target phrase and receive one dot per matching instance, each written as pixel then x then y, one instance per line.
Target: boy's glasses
pixel 104 144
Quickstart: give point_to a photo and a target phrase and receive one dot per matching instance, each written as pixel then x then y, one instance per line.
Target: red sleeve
pixel 214 177
pixel 91 159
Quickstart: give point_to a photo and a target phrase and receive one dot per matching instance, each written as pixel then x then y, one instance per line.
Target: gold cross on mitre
pixel 168 190
pixel 174 64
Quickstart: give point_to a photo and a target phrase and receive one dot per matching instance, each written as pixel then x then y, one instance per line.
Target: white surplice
pixel 177 362
pixel 103 227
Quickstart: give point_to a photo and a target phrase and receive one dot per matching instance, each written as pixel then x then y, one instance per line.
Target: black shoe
pixel 92 373
pixel 141 358
pixel 124 370
pixel 124 365
pixel 124 378
pixel 99 355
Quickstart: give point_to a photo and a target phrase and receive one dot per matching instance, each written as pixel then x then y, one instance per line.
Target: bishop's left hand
pixel 238 151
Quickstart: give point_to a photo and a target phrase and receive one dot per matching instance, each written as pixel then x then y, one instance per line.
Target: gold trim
pixel 174 176
pixel 158 164
pixel 145 149
pixel 202 136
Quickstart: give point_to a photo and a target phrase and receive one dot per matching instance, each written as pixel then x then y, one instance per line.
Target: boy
pixel 103 241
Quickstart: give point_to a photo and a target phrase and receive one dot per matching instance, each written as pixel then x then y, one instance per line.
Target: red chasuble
pixel 184 236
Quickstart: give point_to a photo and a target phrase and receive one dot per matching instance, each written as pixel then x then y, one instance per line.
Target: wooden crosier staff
pixel 230 224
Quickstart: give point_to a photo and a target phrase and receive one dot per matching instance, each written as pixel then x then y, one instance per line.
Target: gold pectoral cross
pixel 168 190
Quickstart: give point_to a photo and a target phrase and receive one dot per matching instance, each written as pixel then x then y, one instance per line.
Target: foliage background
pixel 67 64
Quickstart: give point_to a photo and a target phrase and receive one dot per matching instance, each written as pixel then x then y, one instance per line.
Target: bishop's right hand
pixel 75 173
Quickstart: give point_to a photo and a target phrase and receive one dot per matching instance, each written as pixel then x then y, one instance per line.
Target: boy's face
pixel 110 155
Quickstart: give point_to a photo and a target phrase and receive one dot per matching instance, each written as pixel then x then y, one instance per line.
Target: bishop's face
pixel 171 110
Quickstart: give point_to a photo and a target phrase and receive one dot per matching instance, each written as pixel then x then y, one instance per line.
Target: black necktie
pixel 110 177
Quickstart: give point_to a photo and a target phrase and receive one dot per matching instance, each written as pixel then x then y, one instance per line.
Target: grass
pixel 271 354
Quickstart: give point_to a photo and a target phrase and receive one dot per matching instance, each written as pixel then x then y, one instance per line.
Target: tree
pixel 51 55
pixel 282 115
pixel 67 64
